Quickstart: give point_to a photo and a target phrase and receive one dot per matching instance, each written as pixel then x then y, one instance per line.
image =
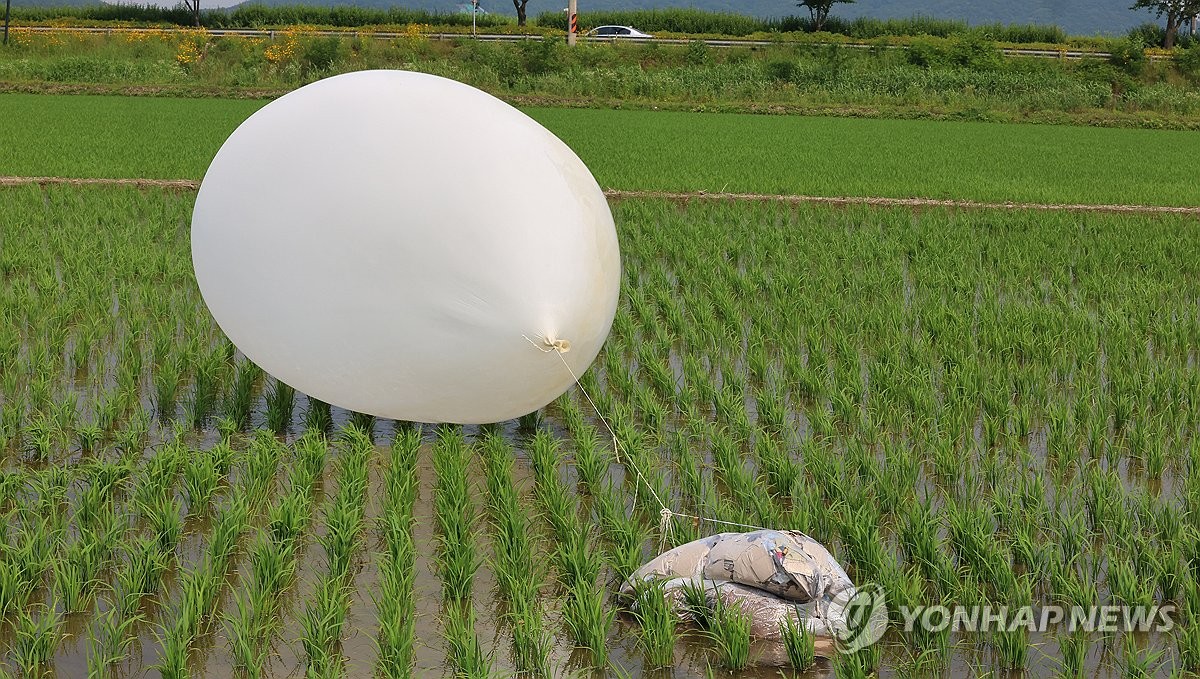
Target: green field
pixel 967 407
pixel 101 136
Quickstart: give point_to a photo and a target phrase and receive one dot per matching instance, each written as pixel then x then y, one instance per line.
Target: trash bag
pixel 771 575
pixel 787 564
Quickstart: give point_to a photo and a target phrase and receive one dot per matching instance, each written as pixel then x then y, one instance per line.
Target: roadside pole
pixel 8 10
pixel 572 22
pixel 474 11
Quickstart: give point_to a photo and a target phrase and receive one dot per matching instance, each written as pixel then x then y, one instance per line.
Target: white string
pixel 665 513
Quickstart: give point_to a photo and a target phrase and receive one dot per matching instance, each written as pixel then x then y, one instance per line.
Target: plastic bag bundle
pixel 771 575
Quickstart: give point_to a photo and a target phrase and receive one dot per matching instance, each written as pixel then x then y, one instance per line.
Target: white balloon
pixel 397 243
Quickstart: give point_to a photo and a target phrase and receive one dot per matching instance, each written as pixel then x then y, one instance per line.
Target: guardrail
pixel 1071 54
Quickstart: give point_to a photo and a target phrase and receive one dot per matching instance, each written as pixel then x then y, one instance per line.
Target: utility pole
pixel 572 22
pixel 8 10
pixel 474 12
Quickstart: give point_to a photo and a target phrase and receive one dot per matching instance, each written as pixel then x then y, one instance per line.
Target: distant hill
pixel 1077 17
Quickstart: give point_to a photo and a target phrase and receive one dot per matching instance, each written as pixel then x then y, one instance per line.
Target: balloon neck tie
pixel 562 346
pixel 548 344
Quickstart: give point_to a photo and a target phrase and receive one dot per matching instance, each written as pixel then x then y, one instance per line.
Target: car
pixel 616 32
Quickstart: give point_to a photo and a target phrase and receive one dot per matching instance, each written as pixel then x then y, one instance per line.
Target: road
pixel 501 37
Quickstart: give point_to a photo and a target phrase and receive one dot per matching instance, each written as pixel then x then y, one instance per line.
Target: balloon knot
pixel 562 346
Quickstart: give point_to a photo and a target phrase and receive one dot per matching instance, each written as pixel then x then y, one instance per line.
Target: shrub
pixel 782 70
pixel 928 52
pixel 1188 60
pixel 321 53
pixel 975 52
pixel 1128 55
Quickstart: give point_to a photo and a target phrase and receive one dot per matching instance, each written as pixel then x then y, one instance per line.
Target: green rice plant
pixel 455 516
pixel 395 602
pixel 13 589
pixel 799 642
pixel 322 623
pixel 588 620
pixel 318 416
pixel 110 637
pixel 1073 651
pixel 1136 663
pixel 592 459
pixel 166 388
pixel 1012 648
pixel 464 652
pixel 344 523
pixel 200 479
pixel 74 579
pixel 142 574
pixel 287 519
pixel 35 640
pixel 857 665
pixel 696 601
pixel 1187 646
pixel 165 517
pixel 239 402
pixel 656 620
pixel 230 523
pixel 363 422
pixel 730 633
pixel 281 399
pixel 244 633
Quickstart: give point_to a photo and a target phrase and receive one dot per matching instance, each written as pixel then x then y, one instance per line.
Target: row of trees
pixel 1175 12
pixel 817 9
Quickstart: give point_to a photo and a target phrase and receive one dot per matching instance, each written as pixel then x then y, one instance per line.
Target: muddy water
pixel 211 657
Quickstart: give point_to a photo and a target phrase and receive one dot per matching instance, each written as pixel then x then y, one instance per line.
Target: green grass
pixel 89 136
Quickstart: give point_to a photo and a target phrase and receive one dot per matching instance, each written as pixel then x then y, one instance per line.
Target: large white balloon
pixel 396 243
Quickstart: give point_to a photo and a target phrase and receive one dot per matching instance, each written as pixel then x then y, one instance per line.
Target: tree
pixel 520 5
pixel 193 6
pixel 1175 11
pixel 818 10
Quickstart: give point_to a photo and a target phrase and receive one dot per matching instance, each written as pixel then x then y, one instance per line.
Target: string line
pixel 665 513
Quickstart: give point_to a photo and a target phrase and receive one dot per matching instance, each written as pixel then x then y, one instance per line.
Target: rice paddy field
pixel 965 406
pixel 153 137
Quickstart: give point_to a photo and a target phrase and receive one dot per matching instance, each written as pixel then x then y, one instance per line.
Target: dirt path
pixel 685 196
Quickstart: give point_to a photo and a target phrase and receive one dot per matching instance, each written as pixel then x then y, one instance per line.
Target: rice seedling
pixel 464 652
pixel 730 633
pixel 1187 646
pixel 588 620
pixel 318 416
pixel 281 399
pixel 322 625
pixel 240 400
pixel 455 516
pixel 1138 663
pixel 200 479
pixel 35 640
pixel 799 642
pixel 110 637
pixel 656 623
pixel 1012 648
pixel 1073 651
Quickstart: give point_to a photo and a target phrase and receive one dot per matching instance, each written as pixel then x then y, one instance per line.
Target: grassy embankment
pixel 140 137
pixel 961 77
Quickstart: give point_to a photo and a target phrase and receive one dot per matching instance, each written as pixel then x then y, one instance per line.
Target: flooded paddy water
pixel 977 408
